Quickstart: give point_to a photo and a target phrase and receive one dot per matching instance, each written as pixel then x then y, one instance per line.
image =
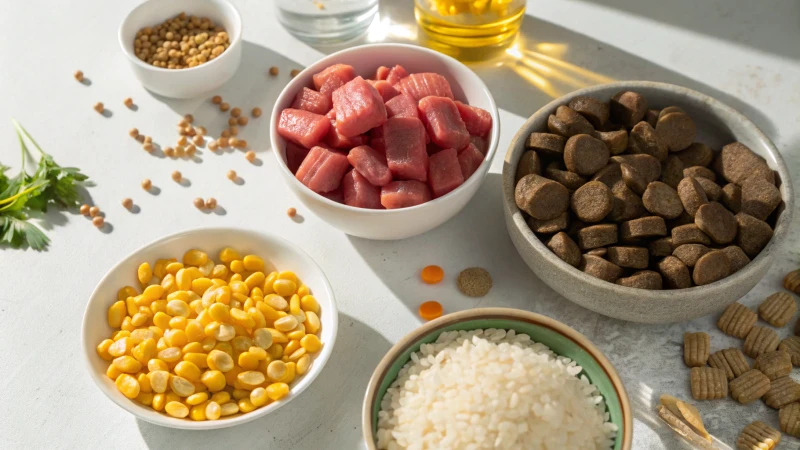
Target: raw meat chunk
pixel 421 85
pixel 336 195
pixel 382 73
pixel 444 172
pixel 303 127
pixel 396 74
pixel 295 154
pixel 402 106
pixel 311 100
pixel 332 78
pixel 322 169
pixel 477 120
pixel 445 126
pixel 470 158
pixel 359 192
pixel 406 155
pixel 371 164
pixel 359 107
pixel 336 140
pixel 480 143
pixel 385 89
pixel 402 194
pixel 331 115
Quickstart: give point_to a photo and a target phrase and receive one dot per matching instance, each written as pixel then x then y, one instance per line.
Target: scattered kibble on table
pixel 211 203
pixel 127 203
pixel 250 156
pixel 99 107
pixel 98 221
pixel 430 310
pixel 256 112
pixel 432 274
pixel 94 211
pixel 134 133
pixel 128 102
pixel 78 75
pixel 147 184
pixel 231 175
pixel 85 209
pixel 199 203
pixel 291 212
pixel 474 282
pixel 189 41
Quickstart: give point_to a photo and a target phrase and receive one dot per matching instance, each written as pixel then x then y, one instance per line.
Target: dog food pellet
pixel 692 195
pixel 759 198
pixel 711 267
pixel 689 234
pixel 627 205
pixel 661 247
pixel 696 349
pixel 651 117
pixel 592 202
pixel 711 189
pixel 737 320
pixel 671 171
pixel 689 254
pixel 565 248
pixel 737 258
pixel 782 391
pixel 570 180
pixel 791 281
pixel 530 163
pixel 474 282
pixel 643 139
pixel 430 310
pixel 546 144
pixel 753 234
pixel 709 383
pixel 774 365
pixel 699 172
pixel 541 198
pixel 789 419
pixel 574 122
pixel 777 309
pixel 749 386
pixel 585 155
pixel 632 257
pixel 644 279
pixel 616 141
pixel 760 340
pixel 600 268
pixel 645 227
pixel 674 273
pixel 676 130
pixel 736 162
pixel 758 436
pixel 662 200
pixel 549 226
pixel 597 236
pixel 731 197
pixel 791 345
pixel 601 252
pixel 609 175
pixel 627 108
pixel 731 360
pixel 647 165
pixel 717 222
pixel 697 154
pixel 595 111
pixel 633 179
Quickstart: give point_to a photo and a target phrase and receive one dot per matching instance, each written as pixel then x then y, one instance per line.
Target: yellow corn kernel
pixel 219 272
pixel 277 391
pixel 102 349
pixel 219 360
pixel 236 266
pixel 239 394
pixel 159 380
pixel 284 288
pixel 294 305
pixel 276 302
pixel 241 343
pixel 188 370
pixel 168 283
pixel 178 323
pixel 193 347
pixel 259 321
pixel 268 282
pixel 297 333
pixel 245 405
pixel 181 295
pixel 221 396
pixel 158 333
pixel 194 330
pixel 181 386
pixel 255 280
pixel 224 294
pixel 121 347
pixel 278 337
pixel 127 385
pixel 286 323
pixel 251 378
pixel 209 343
pixel 297 354
pixel 173 268
pixel 178 308
pixel 176 337
pixel 219 312
pixel 183 280
pixel 125 292
pixel 311 343
pixel 263 338
pixel 138 319
pixel 288 275
pixel 212 410
pixel 214 380
pixel 239 287
pixel 270 314
pixel 158 268
pixel 236 277
pixel 201 285
pixel 224 347
pixel 276 370
pixel 117 335
pixel 142 334
pixel 248 303
pixel 196 399
pixel 173 397
pixel 259 353
pixel 112 372
pixel 228 409
pixel 195 257
pixel 116 313
pixel 141 301
pixel 130 306
pixel 258 397
pixel 153 292
pixel 159 401
pixel 275 351
pixel 158 306
pixel 303 364
pixel 222 332
pixel 241 318
pixel 145 351
pixel 309 303
pixel 161 344
pixel 170 354
pixel 248 361
pixel 161 320
pixel 256 291
pixel 145 398
pixel 227 254
pixel 291 347
pixel 177 409
pixel 303 290
pixel 231 377
pixel 144 273
pixel 156 364
pixel 312 322
pixel 198 359
pixel 144 382
pixel 291 373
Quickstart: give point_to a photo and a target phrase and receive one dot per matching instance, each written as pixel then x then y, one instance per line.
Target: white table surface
pixel 744 53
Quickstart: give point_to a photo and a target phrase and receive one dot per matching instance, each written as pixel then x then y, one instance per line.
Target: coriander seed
pixel 147 184
pixel 198 140
pixel 199 203
pixel 213 146
pixel 191 150
pixel 242 120
pixel 148 140
pixel 99 107
pixel 231 175
pixel 225 134
pixel 183 123
pixel 94 211
pixel 232 121
pixel 180 151
pixel 127 203
pixel 273 71
pixel 291 212
pixel 256 112
pixel 211 203
pixel 98 222
pixel 236 112
pixel 189 118
pixel 182 140
pixel 176 175
pixel 128 102
pixel 224 106
pixel 234 142
pixel 148 147
pixel 169 152
pixel 233 130
pixel 134 133
pixel 216 99
pixel 222 142
pixel 250 156
pixel 201 131
pixel 78 75
pixel 241 143
pixel 294 73
pixel 85 209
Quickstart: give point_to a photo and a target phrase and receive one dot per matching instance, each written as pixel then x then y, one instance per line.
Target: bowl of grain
pixel 182 48
pixel 496 378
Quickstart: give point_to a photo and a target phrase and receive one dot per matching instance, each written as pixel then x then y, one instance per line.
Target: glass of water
pixel 326 21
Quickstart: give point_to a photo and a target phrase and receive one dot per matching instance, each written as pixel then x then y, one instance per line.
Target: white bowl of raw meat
pixel 385 141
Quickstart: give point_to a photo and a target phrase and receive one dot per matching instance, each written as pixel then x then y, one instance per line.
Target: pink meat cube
pixel 421 85
pixel 323 169
pixel 382 73
pixel 359 192
pixel 336 195
pixel 402 106
pixel 444 172
pixel 331 115
pixel 359 107
pixel 396 74
pixel 406 156
pixel 445 126
pixel 403 194
pixel 332 78
pixel 470 158
pixel 311 100
pixel 480 143
pixel 336 140
pixel 385 89
pixel 371 164
pixel 477 120
pixel 303 127
pixel 295 155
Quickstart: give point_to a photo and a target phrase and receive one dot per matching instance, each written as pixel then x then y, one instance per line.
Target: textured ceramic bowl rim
pixel 221 5
pixel 510 314
pixel 296 84
pixel 330 320
pixel 712 289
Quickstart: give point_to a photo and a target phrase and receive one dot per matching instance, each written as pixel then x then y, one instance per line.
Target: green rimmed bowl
pixel 561 339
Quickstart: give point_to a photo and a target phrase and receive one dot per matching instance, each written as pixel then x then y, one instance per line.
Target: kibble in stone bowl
pixel 628 199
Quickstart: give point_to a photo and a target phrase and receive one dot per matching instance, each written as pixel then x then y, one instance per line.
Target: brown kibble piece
pixel 530 163
pixel 642 228
pixel 791 345
pixel 211 203
pixel 696 155
pixel 791 281
pixel 674 273
pixel 600 268
pixel 647 165
pixel 600 251
pixel 696 349
pixel 616 141
pixel 782 391
pixel 199 203
pixel 592 202
pixel 731 360
pixel 760 340
pixel 565 248
pixel 737 320
pixel 689 254
pixel 632 257
pixel 676 130
pixel 711 189
pixel 557 126
pixel 98 221
pixel 595 111
pixel 560 223
pixel 256 112
pixel 689 234
pixel 699 172
pixel 737 258
pixel 758 436
pixel 651 117
pixel 147 184
pixel 736 163
pixel 273 71
pixel 692 195
pixel 672 171
pixel 749 386
pixel 291 212
pixel 731 197
pixel 777 309
pixel 576 123
pixel 774 365
pixel 224 106
pixel 717 222
pixel 127 203
pixel 759 198
pixel 661 247
pixel 753 234
pixel 709 383
pixel 585 155
pixel 627 108
pixel 643 279
pixel 662 200
pixel 609 175
pixel 711 267
pixel 541 198
pixel 474 282
pixel 789 419
pixel 597 236
pixel 633 179
pixel 571 181
pixel 216 99
pixel 643 139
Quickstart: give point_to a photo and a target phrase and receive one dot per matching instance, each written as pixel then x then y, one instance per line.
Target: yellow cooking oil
pixel 469 29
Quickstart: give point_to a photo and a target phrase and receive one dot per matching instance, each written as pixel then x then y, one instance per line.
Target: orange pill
pixel 430 310
pixel 432 274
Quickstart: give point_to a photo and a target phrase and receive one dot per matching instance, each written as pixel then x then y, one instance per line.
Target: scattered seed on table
pixel 182 140
pixel 99 107
pixel 128 102
pixel 177 176
pixel 474 282
pixel 169 151
pixel 85 209
pixel 430 310
pixel 181 130
pixel 216 99
pixel 98 221
pixel 148 140
pixel 233 130
pixel 94 211
pixel 242 144
pixel 199 203
pixel 211 203
pixel 791 281
pixel 198 140
pixel 147 184
pixel 232 121
pixel 127 203
pixel 190 131
pixel 256 112
pixel 231 175
pixel 148 147
pixel 233 142
pixel 180 151
pixel 223 142
pixel 225 133
pixel 78 75
pixel 134 133
pixel 191 150
pixel 242 120
pixel 250 156
pixel 273 71
pixel 236 112
pixel 224 106
pixel 291 212
pixel 432 274
pixel 213 146
pixel 200 131
pixel 294 72
pixel 189 118
pixel 183 123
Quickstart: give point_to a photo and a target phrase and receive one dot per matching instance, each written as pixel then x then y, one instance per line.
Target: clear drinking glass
pixel 326 21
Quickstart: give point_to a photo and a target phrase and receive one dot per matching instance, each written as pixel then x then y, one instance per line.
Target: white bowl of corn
pixel 209 328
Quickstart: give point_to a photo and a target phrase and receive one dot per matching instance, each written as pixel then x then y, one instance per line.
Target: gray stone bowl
pixel 717 124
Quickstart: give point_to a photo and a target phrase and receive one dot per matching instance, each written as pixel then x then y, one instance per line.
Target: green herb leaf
pixel 16 232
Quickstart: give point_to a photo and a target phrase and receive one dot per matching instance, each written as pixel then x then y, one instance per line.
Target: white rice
pixel 486 389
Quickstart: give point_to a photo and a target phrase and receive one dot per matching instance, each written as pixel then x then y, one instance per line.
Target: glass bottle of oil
pixel 470 29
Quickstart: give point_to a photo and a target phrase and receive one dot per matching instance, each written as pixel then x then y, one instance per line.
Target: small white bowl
pixel 277 253
pixel 194 81
pixel 393 223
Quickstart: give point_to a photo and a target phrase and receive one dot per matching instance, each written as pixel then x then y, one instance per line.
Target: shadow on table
pixel 333 399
